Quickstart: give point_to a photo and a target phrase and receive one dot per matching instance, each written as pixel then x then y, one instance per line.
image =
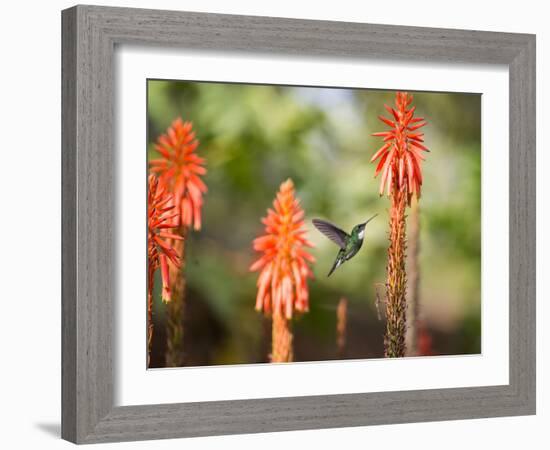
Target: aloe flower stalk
pixel 175 310
pixel 180 169
pixel 341 326
pixel 284 270
pixel 400 162
pixel 160 251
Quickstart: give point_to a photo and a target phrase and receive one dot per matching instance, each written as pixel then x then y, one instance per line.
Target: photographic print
pixel 296 223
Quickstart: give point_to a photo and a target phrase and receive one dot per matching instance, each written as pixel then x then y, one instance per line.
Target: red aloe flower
pixel 160 214
pixel 282 283
pixel 401 154
pixel 180 169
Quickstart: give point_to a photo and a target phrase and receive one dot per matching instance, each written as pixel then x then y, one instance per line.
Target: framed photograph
pixel 277 224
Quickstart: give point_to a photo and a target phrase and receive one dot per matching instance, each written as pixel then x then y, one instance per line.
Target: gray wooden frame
pixel 90 34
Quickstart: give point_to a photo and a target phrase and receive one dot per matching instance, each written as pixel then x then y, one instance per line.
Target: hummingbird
pixel 349 243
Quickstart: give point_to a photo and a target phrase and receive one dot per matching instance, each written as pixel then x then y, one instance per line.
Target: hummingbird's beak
pixel 370 219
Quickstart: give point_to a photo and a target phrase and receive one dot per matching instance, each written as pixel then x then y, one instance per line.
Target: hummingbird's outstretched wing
pixel 331 231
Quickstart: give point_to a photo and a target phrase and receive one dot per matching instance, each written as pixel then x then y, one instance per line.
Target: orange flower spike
pixel 180 170
pixel 401 155
pixel 282 282
pixel 160 213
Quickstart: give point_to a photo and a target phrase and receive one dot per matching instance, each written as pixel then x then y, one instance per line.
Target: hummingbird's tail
pixel 336 264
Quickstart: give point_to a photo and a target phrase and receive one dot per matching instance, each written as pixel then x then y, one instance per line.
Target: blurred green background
pixel 253 138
